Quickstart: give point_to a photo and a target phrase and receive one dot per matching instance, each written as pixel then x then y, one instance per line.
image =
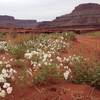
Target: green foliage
pixel 17 50
pixel 96 33
pixel 23 75
pixel 84 72
pixel 70 36
pixel 2 36
pixel 18 63
pixel 46 73
pixel 96 76
pixel 1 67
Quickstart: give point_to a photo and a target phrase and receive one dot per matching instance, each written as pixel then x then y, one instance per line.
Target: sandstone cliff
pixel 82 15
pixel 10 22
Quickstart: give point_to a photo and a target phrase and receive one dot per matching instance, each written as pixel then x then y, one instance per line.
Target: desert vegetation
pixel 35 60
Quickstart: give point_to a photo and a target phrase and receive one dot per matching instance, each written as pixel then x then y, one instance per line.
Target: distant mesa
pixel 10 21
pixel 84 15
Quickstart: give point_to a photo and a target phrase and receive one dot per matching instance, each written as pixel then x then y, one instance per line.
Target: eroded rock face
pixel 86 9
pixel 84 14
pixel 10 22
pixel 26 23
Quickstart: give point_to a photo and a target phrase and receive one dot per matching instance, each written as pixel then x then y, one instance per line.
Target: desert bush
pixel 82 72
pixel 95 34
pixel 18 38
pixel 18 63
pixel 2 35
pixel 80 69
pixel 70 36
pixel 96 76
pixel 23 76
pixel 3 45
pixel 16 50
pixel 88 73
pixel 46 73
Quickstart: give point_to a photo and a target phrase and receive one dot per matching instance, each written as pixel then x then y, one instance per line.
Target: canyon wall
pixel 11 22
pixel 83 17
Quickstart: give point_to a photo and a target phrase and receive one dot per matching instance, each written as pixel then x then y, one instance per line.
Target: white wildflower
pixel 2 79
pixel 34 52
pixel 3 58
pixel 28 55
pixel 2 93
pixel 49 55
pixel 66 74
pixel 61 64
pixel 6 85
pixel 39 65
pixel 1 62
pixel 8 66
pixel 59 59
pixel 66 67
pixel 11 59
pixel 4 71
pixel 45 57
pixel 9 90
pixel 46 63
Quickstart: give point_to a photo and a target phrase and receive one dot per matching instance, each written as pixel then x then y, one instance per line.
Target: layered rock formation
pixel 83 15
pixel 11 22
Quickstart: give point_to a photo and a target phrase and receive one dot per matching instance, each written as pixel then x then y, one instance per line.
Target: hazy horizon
pixel 41 10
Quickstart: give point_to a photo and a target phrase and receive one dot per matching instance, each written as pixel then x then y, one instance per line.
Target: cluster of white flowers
pixel 68 61
pixel 6 89
pixel 66 74
pixel 45 50
pixel 47 53
pixel 42 51
pixel 75 58
pixel 29 55
pixel 3 45
pixel 6 61
pixel 7 72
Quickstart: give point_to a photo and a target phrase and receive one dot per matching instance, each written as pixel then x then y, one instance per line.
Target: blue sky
pixel 39 9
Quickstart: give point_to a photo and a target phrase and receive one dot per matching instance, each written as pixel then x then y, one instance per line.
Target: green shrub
pixel 82 73
pixel 17 51
pixel 46 73
pixel 70 36
pixel 2 36
pixel 3 45
pixel 88 73
pixel 96 76
pixel 95 34
pixel 18 63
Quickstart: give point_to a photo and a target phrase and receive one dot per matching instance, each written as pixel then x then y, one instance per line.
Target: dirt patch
pixel 60 91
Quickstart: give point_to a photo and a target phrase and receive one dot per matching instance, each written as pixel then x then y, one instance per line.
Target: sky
pixel 41 10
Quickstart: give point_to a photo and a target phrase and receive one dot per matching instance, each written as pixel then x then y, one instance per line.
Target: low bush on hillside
pixel 95 34
pixel 70 36
pixel 17 51
pixel 87 73
pixel 47 74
